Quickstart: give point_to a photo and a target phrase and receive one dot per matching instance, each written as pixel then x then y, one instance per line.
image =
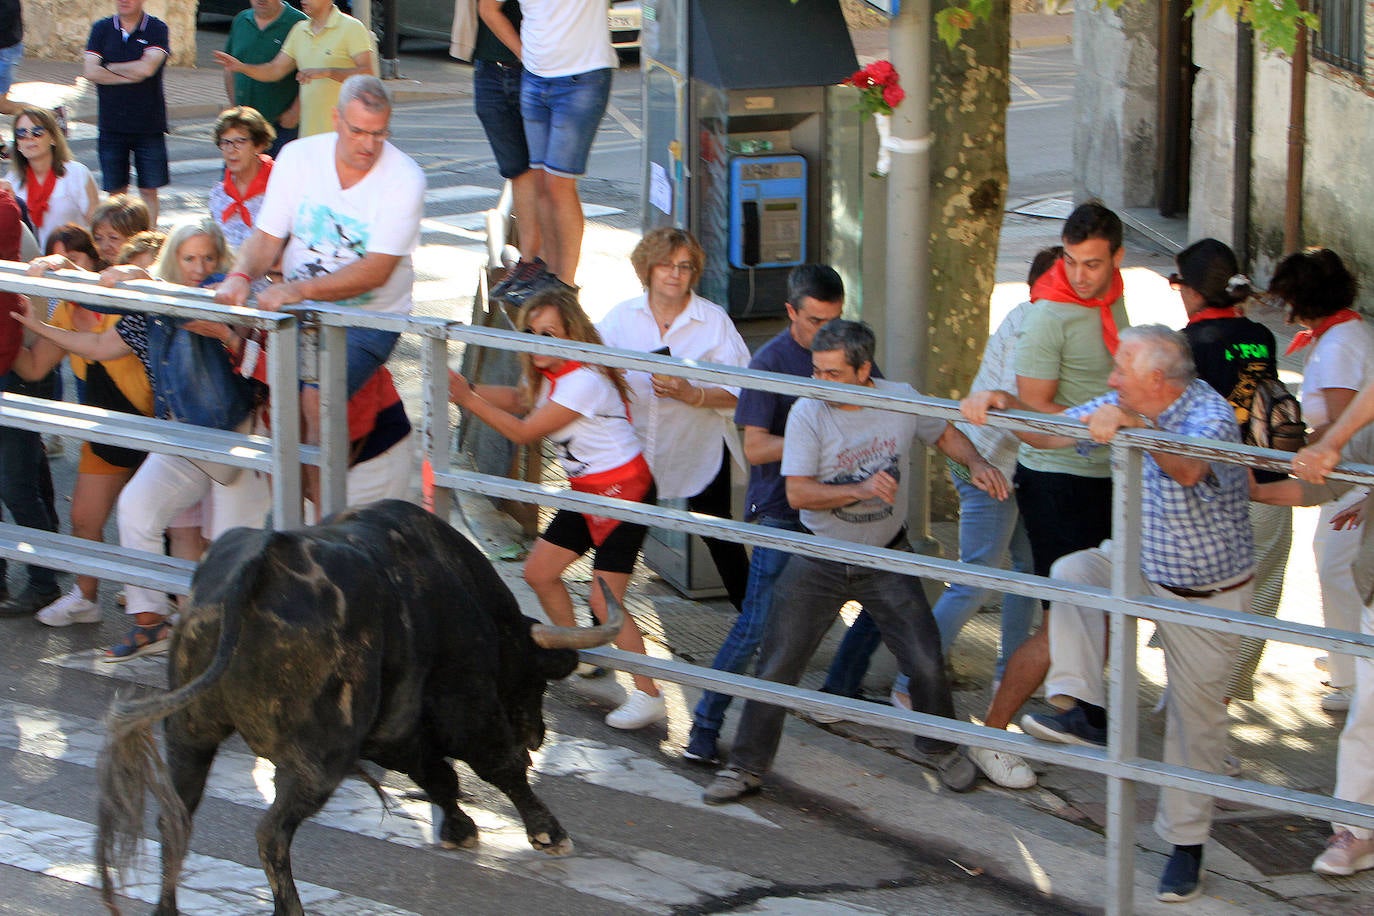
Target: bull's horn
pixel 547 636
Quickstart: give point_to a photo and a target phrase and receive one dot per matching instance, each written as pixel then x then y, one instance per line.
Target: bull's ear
pixel 555 664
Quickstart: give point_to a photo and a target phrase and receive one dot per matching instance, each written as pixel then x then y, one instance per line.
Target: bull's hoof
pixel 458 832
pixel 546 844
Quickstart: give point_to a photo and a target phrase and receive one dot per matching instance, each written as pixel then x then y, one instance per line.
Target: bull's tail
pixel 130 766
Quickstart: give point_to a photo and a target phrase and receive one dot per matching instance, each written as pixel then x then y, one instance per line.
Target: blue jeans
pixel 847 669
pixel 26 480
pixel 496 99
pixel 742 642
pixel 9 59
pixel 561 116
pixel 809 594
pixel 987 530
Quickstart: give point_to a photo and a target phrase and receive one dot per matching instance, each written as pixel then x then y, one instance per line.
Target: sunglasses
pixel 541 333
pixel 23 133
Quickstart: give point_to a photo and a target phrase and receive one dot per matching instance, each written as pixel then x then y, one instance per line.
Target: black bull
pixel 380 635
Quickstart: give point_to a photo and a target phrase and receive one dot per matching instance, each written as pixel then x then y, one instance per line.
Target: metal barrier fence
pixel 1119 762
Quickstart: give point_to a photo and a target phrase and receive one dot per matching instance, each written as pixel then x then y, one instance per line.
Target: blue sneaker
pixel 1068 727
pixel 701 747
pixel 1182 878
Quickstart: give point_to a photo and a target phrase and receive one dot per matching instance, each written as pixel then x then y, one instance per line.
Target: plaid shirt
pixel 1200 535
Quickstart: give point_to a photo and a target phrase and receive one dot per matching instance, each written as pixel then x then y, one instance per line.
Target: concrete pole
pixel 908 232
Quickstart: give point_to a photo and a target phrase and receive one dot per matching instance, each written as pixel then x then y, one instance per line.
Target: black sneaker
pixel 1068 727
pixel 701 747
pixel 1182 877
pixel 28 602
pixel 545 282
pixel 522 273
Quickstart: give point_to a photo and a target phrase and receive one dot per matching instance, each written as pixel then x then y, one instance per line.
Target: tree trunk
pixel 970 90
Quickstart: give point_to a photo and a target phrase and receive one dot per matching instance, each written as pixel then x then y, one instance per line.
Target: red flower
pixel 882 73
pixel 893 95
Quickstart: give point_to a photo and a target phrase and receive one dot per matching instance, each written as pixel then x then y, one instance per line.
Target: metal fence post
pixel 333 419
pixel 434 429
pixel 1123 679
pixel 285 412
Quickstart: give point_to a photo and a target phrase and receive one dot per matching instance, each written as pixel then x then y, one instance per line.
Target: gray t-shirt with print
pixel 835 445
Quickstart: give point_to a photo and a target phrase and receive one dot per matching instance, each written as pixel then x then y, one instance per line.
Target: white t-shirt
pixel 601 438
pixel 328 227
pixel 682 443
pixel 565 37
pixel 1343 357
pixel 67 203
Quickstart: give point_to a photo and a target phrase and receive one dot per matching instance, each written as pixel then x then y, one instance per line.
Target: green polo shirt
pixel 259 46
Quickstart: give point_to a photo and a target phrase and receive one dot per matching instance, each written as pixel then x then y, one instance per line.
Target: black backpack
pixel 1275 419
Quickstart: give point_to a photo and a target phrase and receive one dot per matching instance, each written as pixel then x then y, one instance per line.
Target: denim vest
pixel 193 380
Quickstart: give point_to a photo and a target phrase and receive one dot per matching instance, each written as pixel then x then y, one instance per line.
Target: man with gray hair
pixel 846 470
pixel 344 234
pixel 1195 545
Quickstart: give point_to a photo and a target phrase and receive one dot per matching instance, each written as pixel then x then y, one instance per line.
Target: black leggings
pixel 730 557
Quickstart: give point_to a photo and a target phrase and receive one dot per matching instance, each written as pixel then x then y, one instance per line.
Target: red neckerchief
pixel 1054 285
pixel 553 375
pixel 1310 335
pixel 38 194
pixel 1211 312
pixel 255 187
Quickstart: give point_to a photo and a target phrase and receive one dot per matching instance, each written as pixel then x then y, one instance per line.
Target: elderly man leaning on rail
pixel 1349 849
pixel 1195 544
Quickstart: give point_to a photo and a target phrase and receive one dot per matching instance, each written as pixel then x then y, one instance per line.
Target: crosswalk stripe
pixel 60 847
pixel 648 880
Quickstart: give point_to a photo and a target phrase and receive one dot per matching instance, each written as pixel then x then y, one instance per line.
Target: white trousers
pixel 385 476
pixel 166 486
pixel 1355 753
pixel 1198 663
pixel 1341 604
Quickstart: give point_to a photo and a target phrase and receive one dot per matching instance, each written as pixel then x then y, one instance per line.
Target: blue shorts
pixel 149 153
pixel 496 98
pixel 9 59
pixel 561 117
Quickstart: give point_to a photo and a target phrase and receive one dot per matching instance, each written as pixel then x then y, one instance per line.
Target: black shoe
pixel 28 602
pixel 519 294
pixel 957 772
pixel 1182 878
pixel 1068 727
pixel 523 272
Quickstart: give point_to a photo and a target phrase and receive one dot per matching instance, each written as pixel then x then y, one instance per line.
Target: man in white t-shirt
pixel 344 234
pixel 565 48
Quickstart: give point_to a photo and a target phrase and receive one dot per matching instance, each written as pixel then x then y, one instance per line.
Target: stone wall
pixel 57 29
pixel 1338 190
pixel 1116 56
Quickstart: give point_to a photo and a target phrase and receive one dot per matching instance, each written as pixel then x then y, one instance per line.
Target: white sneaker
pixel 1006 770
pixel 69 609
pixel 638 711
pixel 1338 700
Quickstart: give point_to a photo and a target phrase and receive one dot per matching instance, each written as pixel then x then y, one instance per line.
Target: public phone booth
pixel 750 146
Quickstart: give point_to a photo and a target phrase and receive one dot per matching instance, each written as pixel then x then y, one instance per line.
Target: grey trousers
pixel 806 598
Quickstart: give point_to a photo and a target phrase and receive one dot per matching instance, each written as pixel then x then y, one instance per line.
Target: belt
pixel 1206 593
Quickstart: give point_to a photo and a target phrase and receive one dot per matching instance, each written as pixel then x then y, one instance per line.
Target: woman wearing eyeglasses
pixel 56 188
pixel 243 136
pixel 583 411
pixel 687 428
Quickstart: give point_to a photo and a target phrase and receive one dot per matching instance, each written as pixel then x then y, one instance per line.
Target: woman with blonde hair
pixel 192 366
pixel 582 410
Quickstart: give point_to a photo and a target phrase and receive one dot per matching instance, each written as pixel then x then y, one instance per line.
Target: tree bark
pixel 970 91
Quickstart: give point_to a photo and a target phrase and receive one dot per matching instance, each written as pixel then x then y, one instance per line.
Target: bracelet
pixel 239 273
pixel 701 396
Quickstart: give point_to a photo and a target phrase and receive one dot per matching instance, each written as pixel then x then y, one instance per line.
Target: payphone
pixel 767 211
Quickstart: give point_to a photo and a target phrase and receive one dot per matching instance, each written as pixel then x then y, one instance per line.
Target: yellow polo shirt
pixel 342 39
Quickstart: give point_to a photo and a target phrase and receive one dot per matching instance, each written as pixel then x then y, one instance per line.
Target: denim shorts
pixel 561 117
pixel 367 350
pixel 149 153
pixel 9 58
pixel 496 98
